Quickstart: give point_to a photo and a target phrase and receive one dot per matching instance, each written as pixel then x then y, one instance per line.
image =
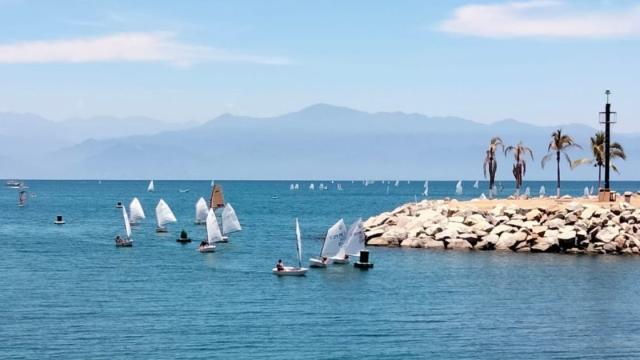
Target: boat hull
pixel 290 271
pixel 207 249
pixel 339 261
pixel 363 266
pixel 59 222
pixel 125 243
pixel 317 263
pixel 162 230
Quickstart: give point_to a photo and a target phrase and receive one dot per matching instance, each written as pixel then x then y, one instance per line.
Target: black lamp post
pixel 609 118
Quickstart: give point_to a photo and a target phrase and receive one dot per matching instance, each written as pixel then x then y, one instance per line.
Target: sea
pixel 66 292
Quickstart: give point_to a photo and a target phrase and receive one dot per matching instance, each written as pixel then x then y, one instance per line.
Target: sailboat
pixel 312 187
pixel 22 198
pixel 216 201
pixel 164 216
pixel 353 244
pixel 339 187
pixel 426 188
pixel 136 211
pixel 212 183
pixel 127 241
pixel 291 270
pixel 151 187
pixel 296 187
pixel 459 188
pixel 291 187
pixel 335 238
pixel 542 191
pixel 397 183
pixel 201 212
pixel 213 234
pixel 230 222
pixel 476 184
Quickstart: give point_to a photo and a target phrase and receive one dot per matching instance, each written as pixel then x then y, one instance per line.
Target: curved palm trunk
pixel 517 174
pixel 493 167
pixel 599 177
pixel 558 177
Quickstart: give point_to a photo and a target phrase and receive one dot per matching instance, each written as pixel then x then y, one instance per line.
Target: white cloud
pixel 125 47
pixel 542 18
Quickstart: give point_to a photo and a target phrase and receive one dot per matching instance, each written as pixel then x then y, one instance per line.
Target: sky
pixel 545 62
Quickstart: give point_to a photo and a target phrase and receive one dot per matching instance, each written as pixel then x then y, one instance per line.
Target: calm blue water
pixel 67 292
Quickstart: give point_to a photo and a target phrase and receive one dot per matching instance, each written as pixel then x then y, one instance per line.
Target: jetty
pixel 566 225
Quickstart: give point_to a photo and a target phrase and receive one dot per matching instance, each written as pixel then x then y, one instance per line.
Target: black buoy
pixel 119 205
pixel 363 263
pixel 59 220
pixel 184 237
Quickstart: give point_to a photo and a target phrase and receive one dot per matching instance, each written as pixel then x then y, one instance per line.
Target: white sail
pixel 459 188
pixel 297 187
pixel 136 211
pixel 397 183
pixel 355 239
pixel 586 191
pixel 151 187
pixel 212 183
pixel 201 211
pixel 298 244
pixel 127 225
pixel 426 188
pixel 312 187
pixel 334 240
pixel 483 196
pixel 164 215
pixel 527 191
pixel 591 190
pixel 213 230
pixel 542 191
pixel 230 221
pixel 476 184
pixel 291 187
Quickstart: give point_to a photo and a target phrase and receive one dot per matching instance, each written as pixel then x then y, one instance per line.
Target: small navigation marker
pixel 59 220
pixel 363 263
pixel 119 205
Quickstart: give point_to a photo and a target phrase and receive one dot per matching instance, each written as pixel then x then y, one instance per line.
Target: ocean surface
pixel 67 292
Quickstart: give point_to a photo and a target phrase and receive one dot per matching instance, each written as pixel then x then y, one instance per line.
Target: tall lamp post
pixel 607 118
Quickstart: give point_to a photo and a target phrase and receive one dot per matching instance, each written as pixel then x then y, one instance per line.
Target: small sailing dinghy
pixel 230 222
pixel 213 234
pixel 127 241
pixel 201 212
pixel 151 187
pixel 476 184
pixel 136 212
pixel 291 270
pixel 216 201
pixel 331 245
pixel 353 244
pixel 459 188
pixel 164 216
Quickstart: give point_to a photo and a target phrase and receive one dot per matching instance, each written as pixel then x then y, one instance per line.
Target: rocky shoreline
pixel 569 227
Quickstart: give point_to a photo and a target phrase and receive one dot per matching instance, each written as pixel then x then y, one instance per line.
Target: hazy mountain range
pixel 318 142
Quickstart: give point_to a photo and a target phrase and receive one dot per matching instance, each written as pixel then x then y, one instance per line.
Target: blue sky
pixel 540 61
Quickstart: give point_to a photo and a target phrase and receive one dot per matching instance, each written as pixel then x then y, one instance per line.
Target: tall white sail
pixel 542 191
pixel 334 240
pixel 201 211
pixel 312 187
pixel 298 244
pixel 212 183
pixel 586 191
pixel 213 230
pixel 459 188
pixel 164 215
pixel 476 184
pixel 426 188
pixel 151 187
pixel 230 221
pixel 296 187
pixel 127 225
pixel 136 211
pixel 527 191
pixel 355 239
pixel 291 187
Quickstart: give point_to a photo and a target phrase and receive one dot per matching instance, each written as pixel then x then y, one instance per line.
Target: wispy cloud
pixel 125 47
pixel 542 18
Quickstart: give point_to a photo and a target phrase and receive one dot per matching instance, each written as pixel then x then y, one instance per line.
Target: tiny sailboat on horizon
pixel 151 187
pixel 459 188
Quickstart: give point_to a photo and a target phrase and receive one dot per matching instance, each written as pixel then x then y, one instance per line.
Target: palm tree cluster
pixel 559 145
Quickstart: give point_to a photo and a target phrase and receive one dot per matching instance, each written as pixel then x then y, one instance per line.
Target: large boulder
pixel 506 241
pixel 458 244
pixel 379 241
pixel 446 234
pixel 373 233
pixel 487 242
pixel 587 213
pixel 545 245
pixel 498 230
pixel 534 214
pixel 607 234
pixel 394 235
pixel 482 226
pixel 515 223
pixel 433 244
pixel 376 220
pixel 567 239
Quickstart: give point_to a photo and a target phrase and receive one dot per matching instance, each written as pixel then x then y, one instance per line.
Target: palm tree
pixel 597 149
pixel 520 165
pixel 559 144
pixel 490 162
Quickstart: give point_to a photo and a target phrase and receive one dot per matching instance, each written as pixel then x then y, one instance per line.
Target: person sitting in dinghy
pixel 203 244
pixel 119 240
pixel 280 265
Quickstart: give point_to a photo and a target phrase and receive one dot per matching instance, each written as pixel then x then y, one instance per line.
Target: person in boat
pixel 280 265
pixel 203 244
pixel 119 240
pixel 324 259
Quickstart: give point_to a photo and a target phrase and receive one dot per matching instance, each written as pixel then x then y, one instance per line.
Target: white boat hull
pixel 225 239
pixel 162 230
pixel 318 263
pixel 290 271
pixel 207 249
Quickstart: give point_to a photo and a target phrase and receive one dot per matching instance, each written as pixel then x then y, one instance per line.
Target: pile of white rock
pixel 571 228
